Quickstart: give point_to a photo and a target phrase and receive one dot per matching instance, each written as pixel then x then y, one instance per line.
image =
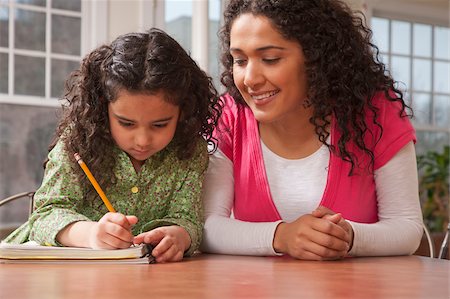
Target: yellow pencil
pixel 94 183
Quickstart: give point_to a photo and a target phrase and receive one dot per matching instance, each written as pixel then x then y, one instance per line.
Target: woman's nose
pixel 253 76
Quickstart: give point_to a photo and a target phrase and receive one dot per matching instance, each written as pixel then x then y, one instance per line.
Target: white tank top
pixel 296 185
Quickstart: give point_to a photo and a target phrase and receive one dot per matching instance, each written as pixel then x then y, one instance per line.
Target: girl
pixel 137 112
pixel 316 154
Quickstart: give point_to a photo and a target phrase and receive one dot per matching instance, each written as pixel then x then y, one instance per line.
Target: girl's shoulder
pixel 58 152
pixel 169 155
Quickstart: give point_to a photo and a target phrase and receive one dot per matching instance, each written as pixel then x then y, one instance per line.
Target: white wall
pixel 133 15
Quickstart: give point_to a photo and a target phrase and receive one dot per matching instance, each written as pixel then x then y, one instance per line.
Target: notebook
pixel 31 252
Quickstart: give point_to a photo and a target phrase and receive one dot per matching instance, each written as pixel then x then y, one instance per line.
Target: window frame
pixel 94 19
pixel 431 127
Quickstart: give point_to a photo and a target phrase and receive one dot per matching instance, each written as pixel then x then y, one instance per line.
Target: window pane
pixel 4 27
pixel 431 140
pixel 422 74
pixel 66 35
pixel 422 40
pixel 421 104
pixel 25 132
pixel 401 37
pixel 380 28
pixel 401 71
pixel 3 73
pixel 178 15
pixel 384 58
pixel 441 42
pixel 29 75
pixel 442 77
pixel 213 43
pixel 442 111
pixel 60 71
pixel 32 2
pixel 30 30
pixel 74 5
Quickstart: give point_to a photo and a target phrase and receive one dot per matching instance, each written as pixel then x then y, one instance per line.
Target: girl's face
pixel 142 124
pixel 268 70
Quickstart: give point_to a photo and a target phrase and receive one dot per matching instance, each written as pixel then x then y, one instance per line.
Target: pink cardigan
pixel 353 196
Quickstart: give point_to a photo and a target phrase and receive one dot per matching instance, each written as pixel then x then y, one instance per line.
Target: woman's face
pixel 268 69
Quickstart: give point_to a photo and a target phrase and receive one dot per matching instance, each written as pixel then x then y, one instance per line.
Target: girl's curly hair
pixel 343 68
pixel 138 63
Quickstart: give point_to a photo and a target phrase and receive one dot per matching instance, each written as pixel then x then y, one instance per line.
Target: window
pixel 40 44
pixel 178 23
pixel 418 56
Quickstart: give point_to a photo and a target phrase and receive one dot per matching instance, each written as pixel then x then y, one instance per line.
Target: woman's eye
pixel 271 60
pixel 238 61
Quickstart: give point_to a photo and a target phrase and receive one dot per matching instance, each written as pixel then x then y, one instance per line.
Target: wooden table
pixel 221 276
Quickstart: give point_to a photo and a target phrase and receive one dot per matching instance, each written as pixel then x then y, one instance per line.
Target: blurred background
pixel 42 41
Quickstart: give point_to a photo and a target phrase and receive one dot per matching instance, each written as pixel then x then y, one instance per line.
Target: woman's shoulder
pixel 387 107
pixel 234 115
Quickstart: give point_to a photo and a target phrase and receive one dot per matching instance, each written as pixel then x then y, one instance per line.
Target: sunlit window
pixel 418 57
pixel 40 44
pixel 178 23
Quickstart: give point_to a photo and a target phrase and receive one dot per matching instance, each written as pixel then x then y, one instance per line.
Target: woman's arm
pixel 399 229
pixel 221 233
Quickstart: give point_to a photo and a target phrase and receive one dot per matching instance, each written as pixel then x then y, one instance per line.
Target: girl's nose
pixel 143 139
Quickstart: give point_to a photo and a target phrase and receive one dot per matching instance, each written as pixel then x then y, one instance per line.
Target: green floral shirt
pixel 165 192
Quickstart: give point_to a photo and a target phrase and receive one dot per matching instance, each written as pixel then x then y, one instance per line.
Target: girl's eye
pixel 125 124
pixel 271 60
pixel 158 126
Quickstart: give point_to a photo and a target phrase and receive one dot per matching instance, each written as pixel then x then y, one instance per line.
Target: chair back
pixel 17 196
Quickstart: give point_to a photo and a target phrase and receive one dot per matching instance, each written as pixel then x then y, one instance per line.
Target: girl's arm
pixel 56 199
pixel 399 229
pixel 59 217
pixel 112 231
pixel 185 208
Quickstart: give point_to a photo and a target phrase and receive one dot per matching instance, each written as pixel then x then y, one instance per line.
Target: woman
pixel 316 154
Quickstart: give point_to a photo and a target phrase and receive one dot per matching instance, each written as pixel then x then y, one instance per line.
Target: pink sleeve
pixel 397 131
pixel 224 130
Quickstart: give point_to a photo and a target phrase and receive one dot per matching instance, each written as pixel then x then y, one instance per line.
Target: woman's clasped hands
pixel 321 235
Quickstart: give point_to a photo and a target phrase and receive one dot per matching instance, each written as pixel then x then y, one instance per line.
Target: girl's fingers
pixel 171 254
pixel 152 237
pixel 164 245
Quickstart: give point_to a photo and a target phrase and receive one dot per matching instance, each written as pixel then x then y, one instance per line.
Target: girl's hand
pixel 170 242
pixel 312 238
pixel 112 231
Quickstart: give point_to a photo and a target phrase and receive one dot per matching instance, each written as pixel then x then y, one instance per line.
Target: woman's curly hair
pixel 343 68
pixel 145 63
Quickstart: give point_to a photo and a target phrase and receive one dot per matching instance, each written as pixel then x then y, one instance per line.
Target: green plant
pixel 434 188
